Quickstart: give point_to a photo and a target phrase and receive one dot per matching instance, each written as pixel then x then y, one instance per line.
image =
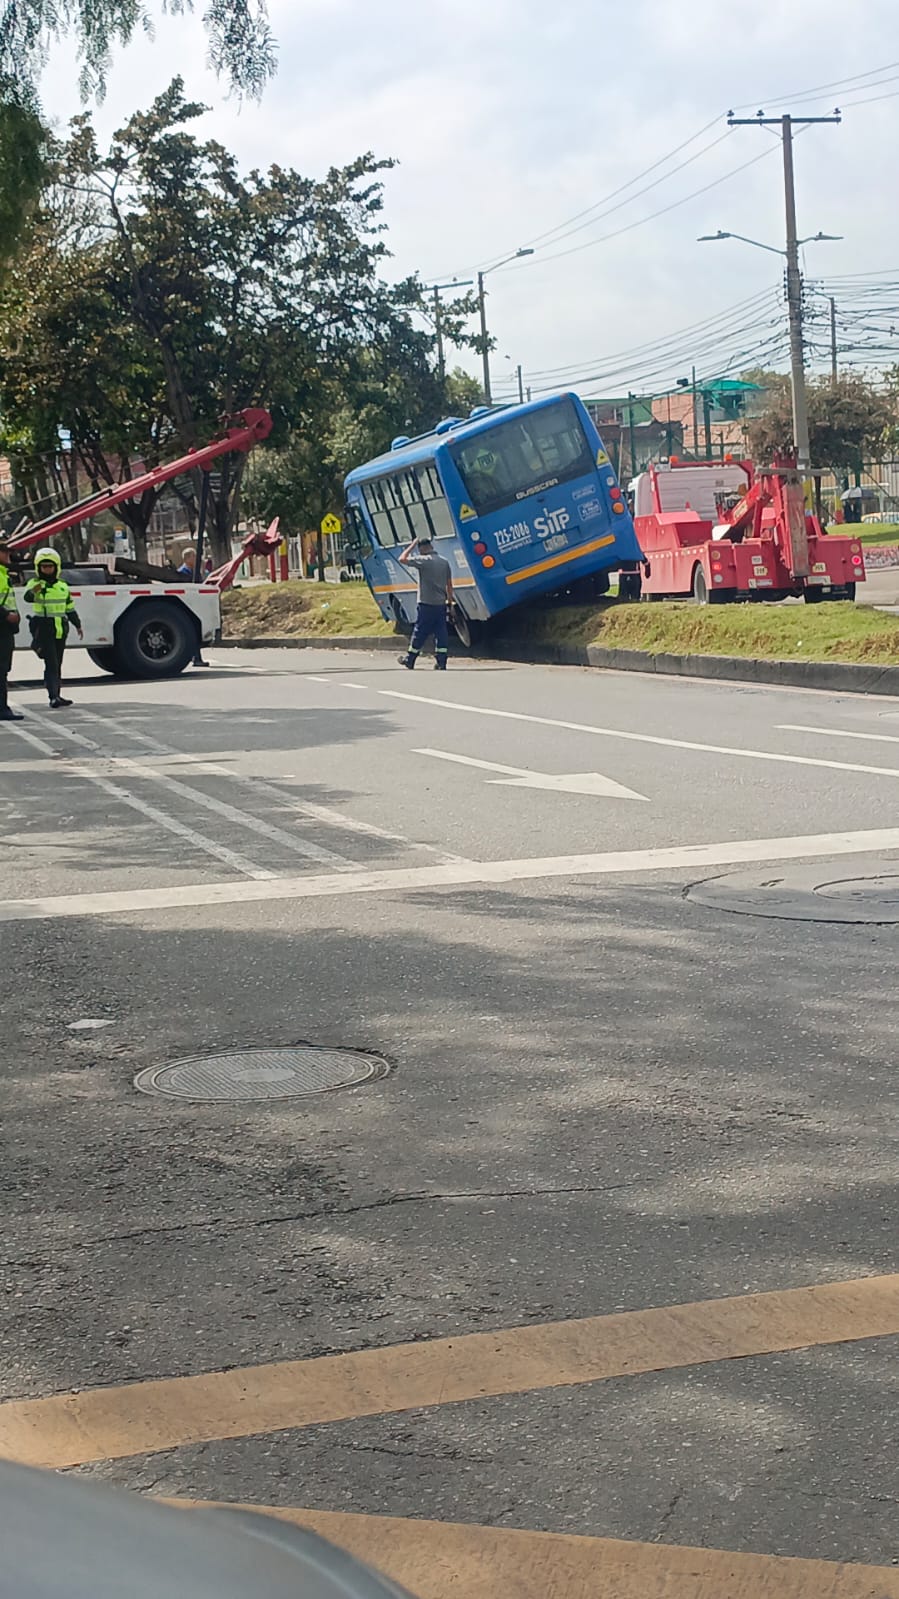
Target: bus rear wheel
pixel 466 629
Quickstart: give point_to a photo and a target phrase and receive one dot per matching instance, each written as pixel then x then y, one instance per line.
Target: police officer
pixel 9 627
pixel 51 599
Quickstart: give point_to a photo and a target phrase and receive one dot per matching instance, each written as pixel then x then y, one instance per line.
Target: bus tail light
pixel 488 561
pixel 618 508
pixel 480 548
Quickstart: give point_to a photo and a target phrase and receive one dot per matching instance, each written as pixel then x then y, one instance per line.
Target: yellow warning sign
pixel 331 524
pixel 466 512
pixel 601 458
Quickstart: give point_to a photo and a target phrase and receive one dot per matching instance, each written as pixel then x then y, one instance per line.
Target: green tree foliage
pixel 850 421
pixel 23 167
pixel 241 46
pixel 162 290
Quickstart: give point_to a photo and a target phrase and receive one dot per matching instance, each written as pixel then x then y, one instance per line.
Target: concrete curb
pixel 834 676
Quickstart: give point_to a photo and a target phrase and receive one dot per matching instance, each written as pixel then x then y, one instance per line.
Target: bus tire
pixel 464 629
pixel 629 585
pixel 108 660
pixel 157 638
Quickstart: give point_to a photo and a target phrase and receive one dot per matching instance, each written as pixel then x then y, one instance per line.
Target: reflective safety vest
pixel 7 596
pixel 53 601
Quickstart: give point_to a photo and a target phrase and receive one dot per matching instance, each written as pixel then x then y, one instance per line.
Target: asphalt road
pixel 605 1096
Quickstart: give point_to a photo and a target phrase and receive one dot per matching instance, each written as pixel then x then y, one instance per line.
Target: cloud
pixel 508 118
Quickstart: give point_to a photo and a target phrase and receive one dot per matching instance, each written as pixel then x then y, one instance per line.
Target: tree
pixel 73 367
pixel 164 290
pixel 849 421
pixel 241 49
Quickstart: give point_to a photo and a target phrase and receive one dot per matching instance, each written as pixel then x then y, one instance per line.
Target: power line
pixel 652 344
pixel 642 221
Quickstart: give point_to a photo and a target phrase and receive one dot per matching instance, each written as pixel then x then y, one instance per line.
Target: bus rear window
pixel 523 456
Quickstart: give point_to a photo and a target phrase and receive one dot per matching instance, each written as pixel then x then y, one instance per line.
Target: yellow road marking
pixel 452 1560
pixel 141 1418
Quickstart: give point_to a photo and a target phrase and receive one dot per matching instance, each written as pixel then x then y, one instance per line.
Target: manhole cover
pixel 803 894
pixel 246 1074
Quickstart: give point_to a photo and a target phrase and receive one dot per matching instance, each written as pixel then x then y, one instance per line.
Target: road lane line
pixel 208 765
pixel 838 732
pixel 145 1417
pixel 393 880
pixel 638 738
pixel 243 819
pixel 197 841
pixel 458 1560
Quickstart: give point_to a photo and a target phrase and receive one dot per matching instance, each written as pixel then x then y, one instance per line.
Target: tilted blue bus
pixel 521 500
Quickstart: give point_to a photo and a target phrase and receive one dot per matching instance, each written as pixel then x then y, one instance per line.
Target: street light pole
pixel 520 385
pixel 794 277
pixel 482 307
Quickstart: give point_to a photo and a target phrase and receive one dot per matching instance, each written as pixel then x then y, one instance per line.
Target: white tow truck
pixel 146 628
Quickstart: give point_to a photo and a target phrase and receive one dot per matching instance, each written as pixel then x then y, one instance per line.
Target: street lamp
pixel 794 312
pixel 482 305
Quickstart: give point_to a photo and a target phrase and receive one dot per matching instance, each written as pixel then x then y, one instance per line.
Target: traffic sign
pixel 331 524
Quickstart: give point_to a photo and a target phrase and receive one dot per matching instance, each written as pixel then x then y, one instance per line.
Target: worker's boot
pixel 7 714
pixel 59 704
pixel 408 660
pixel 440 660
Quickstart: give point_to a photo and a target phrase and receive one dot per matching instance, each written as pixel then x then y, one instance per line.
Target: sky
pixel 509 118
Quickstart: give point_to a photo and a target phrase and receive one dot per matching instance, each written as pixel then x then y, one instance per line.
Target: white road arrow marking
pixel 566 783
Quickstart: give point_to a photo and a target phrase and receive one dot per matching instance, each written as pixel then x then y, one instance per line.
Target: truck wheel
pixel 629 585
pixel 157 639
pixel 700 587
pixel 108 660
pixel 813 596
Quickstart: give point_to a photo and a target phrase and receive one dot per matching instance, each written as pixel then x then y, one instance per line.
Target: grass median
pixel 302 610
pixel 832 631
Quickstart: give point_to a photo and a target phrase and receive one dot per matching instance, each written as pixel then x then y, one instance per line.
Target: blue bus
pixel 521 500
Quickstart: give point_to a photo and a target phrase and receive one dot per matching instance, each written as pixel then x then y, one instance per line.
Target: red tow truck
pixel 137 620
pixel 720 531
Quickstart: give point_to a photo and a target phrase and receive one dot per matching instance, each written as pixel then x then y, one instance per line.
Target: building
pixel 708 421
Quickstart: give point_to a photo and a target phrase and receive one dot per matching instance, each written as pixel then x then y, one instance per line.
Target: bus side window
pixel 389 487
pixel 380 515
pixel 359 537
pixel 414 503
pixel 437 505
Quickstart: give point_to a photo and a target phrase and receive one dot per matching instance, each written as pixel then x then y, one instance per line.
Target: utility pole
pixel 707 420
pixel 833 340
pixel 482 307
pixel 633 444
pixel 794 277
pixel 438 329
pixel 695 423
pixel 437 289
pixel 520 385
